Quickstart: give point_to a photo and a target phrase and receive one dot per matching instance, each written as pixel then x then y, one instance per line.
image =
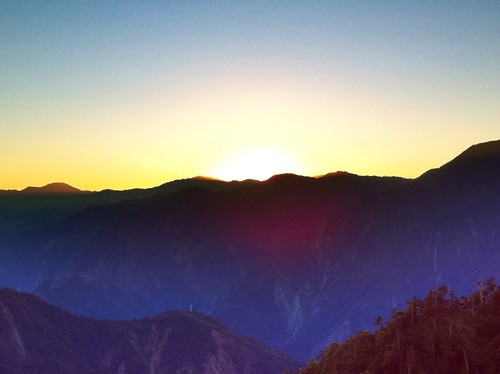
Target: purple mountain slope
pixel 38 337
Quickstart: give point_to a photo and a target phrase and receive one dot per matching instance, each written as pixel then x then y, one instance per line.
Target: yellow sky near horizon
pixel 114 95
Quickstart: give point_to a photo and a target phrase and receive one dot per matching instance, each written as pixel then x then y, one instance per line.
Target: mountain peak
pixel 52 188
pixel 476 159
pixel 288 177
pixel 478 152
pixel 479 159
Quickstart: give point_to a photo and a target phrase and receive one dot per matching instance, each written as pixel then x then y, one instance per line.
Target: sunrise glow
pixel 120 95
pixel 259 164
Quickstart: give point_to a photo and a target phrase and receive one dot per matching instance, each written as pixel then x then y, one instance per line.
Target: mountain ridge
pixel 473 153
pixel 53 188
pixel 37 336
pixel 319 257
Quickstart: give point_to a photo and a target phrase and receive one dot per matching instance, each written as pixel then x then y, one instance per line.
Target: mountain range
pixel 296 262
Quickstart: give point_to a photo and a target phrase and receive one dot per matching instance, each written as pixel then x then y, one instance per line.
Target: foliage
pixel 442 333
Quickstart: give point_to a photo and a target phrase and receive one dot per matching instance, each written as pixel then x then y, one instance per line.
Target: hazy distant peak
pixel 206 178
pixel 52 188
pixel 287 177
pixel 336 174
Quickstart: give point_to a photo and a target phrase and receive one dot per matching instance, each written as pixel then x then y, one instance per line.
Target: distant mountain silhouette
pixel 37 337
pixel 296 262
pixel 46 205
pixel 52 188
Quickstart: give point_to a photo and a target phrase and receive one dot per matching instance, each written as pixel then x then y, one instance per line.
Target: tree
pixel 439 334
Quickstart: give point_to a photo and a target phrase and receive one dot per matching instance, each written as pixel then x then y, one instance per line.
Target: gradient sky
pixel 121 94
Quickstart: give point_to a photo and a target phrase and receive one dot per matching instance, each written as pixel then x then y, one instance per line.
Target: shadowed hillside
pixel 38 337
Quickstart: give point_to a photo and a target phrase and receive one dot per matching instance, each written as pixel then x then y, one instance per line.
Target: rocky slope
pixel 38 337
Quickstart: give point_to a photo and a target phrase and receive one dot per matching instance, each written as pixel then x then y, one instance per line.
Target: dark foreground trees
pixel 442 333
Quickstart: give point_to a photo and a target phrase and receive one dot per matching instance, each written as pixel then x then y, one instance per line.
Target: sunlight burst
pixel 259 164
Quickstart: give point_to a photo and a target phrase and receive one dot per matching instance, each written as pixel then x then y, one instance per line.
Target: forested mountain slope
pixel 441 333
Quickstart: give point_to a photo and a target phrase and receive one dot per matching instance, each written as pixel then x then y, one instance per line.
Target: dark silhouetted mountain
pixel 476 160
pixel 296 262
pixel 43 206
pixel 39 338
pixel 440 334
pixel 52 188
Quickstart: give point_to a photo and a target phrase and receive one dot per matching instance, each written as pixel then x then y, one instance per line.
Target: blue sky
pixel 120 93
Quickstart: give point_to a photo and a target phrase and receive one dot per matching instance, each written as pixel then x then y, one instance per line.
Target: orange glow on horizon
pixel 259 164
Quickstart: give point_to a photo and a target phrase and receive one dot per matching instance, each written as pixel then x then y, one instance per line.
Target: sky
pixel 121 94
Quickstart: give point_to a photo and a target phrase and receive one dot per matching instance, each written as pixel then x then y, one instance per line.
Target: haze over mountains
pixel 296 262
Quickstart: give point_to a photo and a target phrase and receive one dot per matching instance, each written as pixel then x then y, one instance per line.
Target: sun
pixel 260 164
